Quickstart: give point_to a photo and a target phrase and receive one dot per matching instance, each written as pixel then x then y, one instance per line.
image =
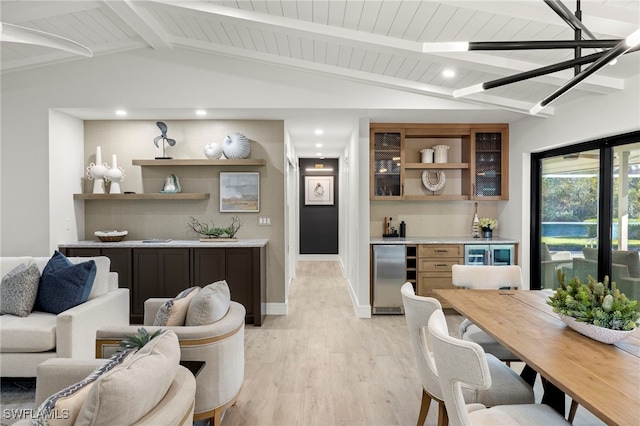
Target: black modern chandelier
pixel 610 50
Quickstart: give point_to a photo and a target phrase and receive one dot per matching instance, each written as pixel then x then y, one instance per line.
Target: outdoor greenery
pixel 594 303
pixel 574 199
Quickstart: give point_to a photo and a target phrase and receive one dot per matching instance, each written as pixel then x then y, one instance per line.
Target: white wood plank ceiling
pixel 377 42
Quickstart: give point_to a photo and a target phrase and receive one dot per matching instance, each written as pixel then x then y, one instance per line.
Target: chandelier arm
pixel 566 14
pixel 603 60
pixel 542 44
pixel 18 34
pixel 541 71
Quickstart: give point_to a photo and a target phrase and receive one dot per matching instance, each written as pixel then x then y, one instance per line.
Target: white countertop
pixel 441 240
pixel 171 243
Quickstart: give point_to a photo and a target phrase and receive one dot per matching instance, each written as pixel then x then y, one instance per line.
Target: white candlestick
pixel 98 156
pixel 115 162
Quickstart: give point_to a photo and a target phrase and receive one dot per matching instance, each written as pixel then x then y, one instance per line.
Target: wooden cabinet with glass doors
pixel 476 166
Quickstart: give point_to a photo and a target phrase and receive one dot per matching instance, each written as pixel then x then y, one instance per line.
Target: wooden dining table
pixel 602 378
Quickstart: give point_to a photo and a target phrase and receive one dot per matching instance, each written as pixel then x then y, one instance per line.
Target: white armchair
pixel 220 345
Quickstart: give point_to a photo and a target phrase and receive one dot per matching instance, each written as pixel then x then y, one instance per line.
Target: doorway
pixel 319 200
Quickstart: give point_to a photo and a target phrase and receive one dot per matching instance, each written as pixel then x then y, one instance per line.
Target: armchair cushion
pixel 63 407
pixel 19 289
pixel 629 258
pixel 209 305
pixel 173 312
pixel 139 384
pixel 64 285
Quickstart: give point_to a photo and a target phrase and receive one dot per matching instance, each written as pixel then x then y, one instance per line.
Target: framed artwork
pixel 239 192
pixel 318 190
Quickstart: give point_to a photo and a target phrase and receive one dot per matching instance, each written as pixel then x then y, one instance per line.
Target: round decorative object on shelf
pixel 111 236
pixel 600 334
pixel 213 151
pixel 236 146
pixel 433 180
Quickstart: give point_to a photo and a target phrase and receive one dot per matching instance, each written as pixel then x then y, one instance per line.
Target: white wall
pixel 579 121
pixel 66 157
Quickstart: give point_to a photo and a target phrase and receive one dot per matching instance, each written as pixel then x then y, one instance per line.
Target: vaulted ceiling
pixel 378 42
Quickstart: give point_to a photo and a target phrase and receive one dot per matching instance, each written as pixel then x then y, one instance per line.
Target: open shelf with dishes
pixel 439 162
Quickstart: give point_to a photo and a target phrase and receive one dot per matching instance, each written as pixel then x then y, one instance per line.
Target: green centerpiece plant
pixel 211 231
pixel 594 303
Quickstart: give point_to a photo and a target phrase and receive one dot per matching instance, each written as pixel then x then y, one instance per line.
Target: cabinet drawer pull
pixel 441 251
pixel 441 265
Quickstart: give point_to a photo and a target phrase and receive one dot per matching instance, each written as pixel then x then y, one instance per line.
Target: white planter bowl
pixel 601 334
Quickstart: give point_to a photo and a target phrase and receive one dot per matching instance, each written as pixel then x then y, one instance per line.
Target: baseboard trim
pixel 361 311
pixel 277 308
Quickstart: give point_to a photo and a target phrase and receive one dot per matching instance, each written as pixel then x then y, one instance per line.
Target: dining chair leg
pixel 443 418
pixel 572 411
pixel 424 407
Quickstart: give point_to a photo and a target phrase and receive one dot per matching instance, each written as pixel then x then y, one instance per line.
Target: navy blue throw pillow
pixel 63 284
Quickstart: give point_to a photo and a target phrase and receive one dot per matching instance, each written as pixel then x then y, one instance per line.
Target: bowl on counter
pixel 112 236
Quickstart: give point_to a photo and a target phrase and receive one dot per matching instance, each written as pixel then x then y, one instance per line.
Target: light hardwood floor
pixel 320 365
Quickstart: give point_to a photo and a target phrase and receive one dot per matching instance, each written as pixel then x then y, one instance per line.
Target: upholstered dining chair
pixel 489 277
pixel 508 387
pixel 462 363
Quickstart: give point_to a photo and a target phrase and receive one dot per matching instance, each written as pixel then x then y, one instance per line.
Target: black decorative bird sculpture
pixel 164 138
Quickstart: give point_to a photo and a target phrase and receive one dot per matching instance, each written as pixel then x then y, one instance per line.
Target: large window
pixel 586 213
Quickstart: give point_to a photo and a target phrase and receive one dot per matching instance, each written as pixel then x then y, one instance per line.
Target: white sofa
pixel 28 341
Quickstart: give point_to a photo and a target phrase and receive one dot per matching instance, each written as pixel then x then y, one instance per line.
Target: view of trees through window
pixel 569 216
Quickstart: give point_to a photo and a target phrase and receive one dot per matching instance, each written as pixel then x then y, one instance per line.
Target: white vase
pixel 213 151
pixel 96 172
pixel 236 146
pixel 115 175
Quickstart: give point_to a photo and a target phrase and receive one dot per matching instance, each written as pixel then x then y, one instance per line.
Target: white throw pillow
pixel 173 312
pixel 209 305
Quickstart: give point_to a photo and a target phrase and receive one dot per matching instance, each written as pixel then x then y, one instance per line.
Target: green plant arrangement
pixel 594 303
pixel 210 230
pixel 139 340
pixel 487 223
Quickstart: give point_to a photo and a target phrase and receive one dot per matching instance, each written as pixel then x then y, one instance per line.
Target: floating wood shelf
pixel 152 196
pixel 436 166
pixel 436 197
pixel 203 162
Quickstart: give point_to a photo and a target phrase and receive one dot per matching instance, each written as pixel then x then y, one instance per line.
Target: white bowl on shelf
pixel 111 236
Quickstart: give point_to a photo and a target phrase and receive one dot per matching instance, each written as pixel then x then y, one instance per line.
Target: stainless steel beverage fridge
pixel 388 278
pixel 489 254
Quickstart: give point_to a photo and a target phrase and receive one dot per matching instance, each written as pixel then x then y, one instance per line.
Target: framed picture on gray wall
pixel 318 190
pixel 239 192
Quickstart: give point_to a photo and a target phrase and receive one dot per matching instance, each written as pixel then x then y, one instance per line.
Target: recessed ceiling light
pixel 201 112
pixel 121 112
pixel 318 145
pixel 319 154
pixel 448 73
pixel 319 131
